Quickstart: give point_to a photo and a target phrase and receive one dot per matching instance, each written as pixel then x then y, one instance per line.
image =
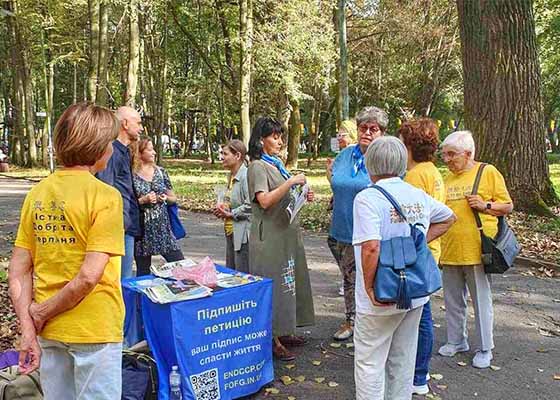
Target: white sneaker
pixel 421 390
pixel 344 332
pixel 341 290
pixel 482 359
pixel 450 349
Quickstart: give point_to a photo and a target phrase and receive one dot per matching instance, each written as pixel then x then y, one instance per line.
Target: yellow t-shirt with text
pixel 66 215
pixel 461 244
pixel 427 177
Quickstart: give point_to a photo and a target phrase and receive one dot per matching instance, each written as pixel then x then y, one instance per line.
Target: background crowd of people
pixel 72 315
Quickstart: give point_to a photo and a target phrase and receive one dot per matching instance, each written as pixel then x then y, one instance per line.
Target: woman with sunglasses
pixel 349 177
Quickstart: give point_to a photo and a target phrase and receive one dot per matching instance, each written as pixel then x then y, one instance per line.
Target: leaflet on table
pixel 239 279
pixel 165 291
pixel 166 270
pixel 297 202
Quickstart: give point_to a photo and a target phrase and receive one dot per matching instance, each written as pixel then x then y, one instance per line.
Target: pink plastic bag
pixel 203 273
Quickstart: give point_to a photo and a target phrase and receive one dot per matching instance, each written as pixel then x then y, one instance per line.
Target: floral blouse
pixel 158 237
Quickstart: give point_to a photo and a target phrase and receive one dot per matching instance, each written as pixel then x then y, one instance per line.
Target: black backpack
pixel 139 376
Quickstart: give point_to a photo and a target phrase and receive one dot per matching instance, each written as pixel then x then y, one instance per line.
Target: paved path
pixel 525 308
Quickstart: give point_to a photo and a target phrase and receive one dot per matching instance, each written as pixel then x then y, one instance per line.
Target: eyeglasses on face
pixel 450 155
pixel 373 128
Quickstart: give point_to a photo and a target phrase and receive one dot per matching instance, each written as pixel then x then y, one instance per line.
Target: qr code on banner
pixel 206 385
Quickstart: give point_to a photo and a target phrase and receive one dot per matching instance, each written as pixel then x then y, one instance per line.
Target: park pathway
pixel 527 324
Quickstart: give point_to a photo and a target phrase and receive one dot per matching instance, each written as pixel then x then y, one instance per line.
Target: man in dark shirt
pixel 119 175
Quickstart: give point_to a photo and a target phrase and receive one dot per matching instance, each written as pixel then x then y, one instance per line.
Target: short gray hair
pixel 386 155
pixel 460 140
pixel 373 114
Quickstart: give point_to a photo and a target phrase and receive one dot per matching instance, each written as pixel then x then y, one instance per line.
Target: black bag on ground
pixel 139 376
pixel 498 253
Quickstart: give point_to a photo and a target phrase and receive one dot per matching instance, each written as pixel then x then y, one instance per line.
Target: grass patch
pixel 3 275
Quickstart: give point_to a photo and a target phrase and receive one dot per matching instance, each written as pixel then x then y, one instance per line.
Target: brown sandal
pixel 282 353
pixel 293 340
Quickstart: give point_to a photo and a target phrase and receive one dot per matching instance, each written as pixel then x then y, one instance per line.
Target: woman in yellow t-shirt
pixel 461 247
pixel 421 138
pixel 70 238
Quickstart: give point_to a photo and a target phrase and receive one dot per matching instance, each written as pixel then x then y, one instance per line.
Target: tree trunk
pixel 93 9
pixel 342 86
pixel 283 114
pixel 133 55
pixel 316 123
pixel 26 86
pixel 246 33
pixel 294 135
pixel 75 84
pixel 102 88
pixel 503 105
pixel 48 76
pixel 16 147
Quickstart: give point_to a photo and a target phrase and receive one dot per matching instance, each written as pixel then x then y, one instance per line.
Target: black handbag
pixel 498 253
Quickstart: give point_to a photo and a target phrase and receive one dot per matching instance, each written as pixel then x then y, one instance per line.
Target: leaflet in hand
pixel 298 201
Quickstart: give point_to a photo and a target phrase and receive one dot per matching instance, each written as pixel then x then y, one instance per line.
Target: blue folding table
pixel 222 343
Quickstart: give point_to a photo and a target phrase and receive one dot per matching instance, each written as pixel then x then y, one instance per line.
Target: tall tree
pixel 503 104
pixel 133 54
pixel 342 67
pixel 102 88
pixel 246 33
pixel 294 135
pixel 93 12
pixel 25 84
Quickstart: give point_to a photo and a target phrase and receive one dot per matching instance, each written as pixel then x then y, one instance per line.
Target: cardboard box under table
pixel 222 343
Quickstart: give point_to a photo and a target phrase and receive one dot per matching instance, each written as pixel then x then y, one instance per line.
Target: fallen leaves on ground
pixel 286 380
pixel 289 366
pixel 335 345
pixel 319 379
pixel 495 368
pixel 8 320
pixel 462 364
pixel 436 377
pixel 300 378
pixel 316 362
pixel 332 384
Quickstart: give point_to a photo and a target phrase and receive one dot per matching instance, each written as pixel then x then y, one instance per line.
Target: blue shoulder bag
pixel 406 268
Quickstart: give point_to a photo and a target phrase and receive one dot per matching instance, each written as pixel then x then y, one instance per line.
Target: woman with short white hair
pixel 461 246
pixel 386 337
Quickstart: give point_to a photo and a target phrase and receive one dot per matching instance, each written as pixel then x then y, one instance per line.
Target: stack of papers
pixel 165 291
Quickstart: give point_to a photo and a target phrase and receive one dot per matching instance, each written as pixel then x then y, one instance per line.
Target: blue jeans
pixel 126 260
pixel 425 344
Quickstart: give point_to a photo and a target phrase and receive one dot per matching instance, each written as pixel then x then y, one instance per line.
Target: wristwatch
pixel 488 206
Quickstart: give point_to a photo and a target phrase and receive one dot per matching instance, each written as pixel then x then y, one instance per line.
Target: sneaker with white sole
pixel 450 349
pixel 345 331
pixel 482 359
pixel 420 390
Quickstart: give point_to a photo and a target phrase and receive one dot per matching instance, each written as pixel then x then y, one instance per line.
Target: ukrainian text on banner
pixel 224 343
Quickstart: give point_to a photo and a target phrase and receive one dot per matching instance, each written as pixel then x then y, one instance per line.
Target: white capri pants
pixel 76 371
pixel 385 354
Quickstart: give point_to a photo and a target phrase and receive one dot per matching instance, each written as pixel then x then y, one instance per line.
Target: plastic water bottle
pixel 175 384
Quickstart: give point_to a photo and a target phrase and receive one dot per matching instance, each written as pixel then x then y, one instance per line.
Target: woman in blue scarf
pixel 349 177
pixel 275 245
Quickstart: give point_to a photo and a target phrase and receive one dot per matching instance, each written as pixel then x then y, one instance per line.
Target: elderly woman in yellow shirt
pixel 461 246
pixel 421 138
